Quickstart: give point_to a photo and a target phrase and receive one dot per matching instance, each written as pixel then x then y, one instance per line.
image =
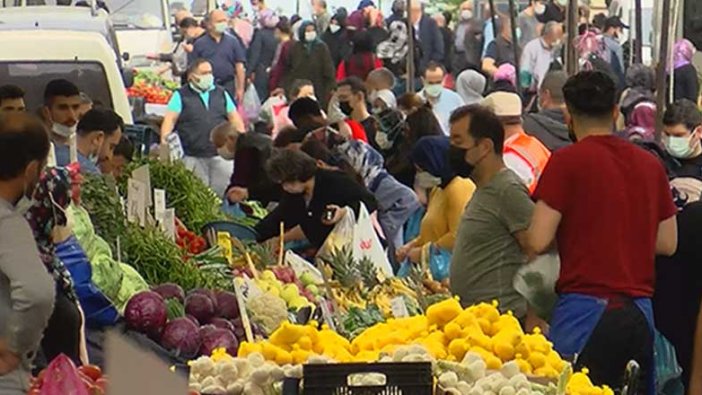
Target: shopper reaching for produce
pixel 314 198
pixel 250 152
pixel 26 288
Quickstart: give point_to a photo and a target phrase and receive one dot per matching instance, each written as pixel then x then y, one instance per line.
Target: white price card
pixel 159 204
pixel 245 322
pixel 143 174
pixel 136 202
pixel 327 314
pixel 399 307
pixel 168 223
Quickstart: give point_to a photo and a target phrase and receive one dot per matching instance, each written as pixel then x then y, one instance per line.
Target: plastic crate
pixel 400 379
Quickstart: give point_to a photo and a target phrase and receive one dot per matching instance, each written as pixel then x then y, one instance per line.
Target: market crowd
pixel 495 160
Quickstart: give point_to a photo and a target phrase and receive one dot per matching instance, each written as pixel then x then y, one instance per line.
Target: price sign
pixel 168 223
pixel 245 322
pixel 136 201
pixel 159 204
pixel 399 307
pixel 143 174
pixel 327 314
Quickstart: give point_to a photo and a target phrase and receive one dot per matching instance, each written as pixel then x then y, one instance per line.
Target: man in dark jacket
pixel 548 125
pixel 194 110
pixel 426 30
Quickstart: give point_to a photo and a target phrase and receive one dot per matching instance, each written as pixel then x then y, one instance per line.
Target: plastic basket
pixel 241 232
pixel 400 379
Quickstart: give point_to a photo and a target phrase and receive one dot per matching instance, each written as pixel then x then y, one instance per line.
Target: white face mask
pixel 224 152
pixel 540 8
pixel 334 28
pixel 63 130
pixel 679 147
pixel 466 14
pixel 425 180
pixel 310 36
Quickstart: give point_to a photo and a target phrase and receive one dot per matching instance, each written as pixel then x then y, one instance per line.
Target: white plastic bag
pixel 367 244
pixel 536 281
pixel 251 103
pixel 360 236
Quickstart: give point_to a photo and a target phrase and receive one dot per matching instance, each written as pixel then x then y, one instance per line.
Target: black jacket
pixel 331 187
pixel 549 127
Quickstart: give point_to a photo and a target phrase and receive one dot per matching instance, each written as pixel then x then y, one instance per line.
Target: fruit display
pixel 282 282
pixel 580 384
pixel 152 87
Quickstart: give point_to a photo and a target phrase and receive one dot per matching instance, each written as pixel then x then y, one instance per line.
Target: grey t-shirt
pixel 486 255
pixel 527 25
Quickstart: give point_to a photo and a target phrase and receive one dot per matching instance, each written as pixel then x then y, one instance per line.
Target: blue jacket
pixel 431 42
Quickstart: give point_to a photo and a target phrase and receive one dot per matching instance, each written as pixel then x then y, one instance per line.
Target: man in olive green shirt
pixel 488 251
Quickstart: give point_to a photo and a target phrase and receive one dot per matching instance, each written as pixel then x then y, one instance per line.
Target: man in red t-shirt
pixel 607 206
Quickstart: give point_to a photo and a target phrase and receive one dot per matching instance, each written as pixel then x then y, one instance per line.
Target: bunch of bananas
pixel 347 298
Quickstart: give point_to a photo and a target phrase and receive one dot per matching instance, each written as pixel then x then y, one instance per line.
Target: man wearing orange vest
pixel 523 154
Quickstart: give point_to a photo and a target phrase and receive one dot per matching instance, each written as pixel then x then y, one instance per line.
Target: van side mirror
pixel 126 56
pixel 128 77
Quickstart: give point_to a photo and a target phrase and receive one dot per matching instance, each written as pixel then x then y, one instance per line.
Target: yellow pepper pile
pixel 580 384
pixel 447 332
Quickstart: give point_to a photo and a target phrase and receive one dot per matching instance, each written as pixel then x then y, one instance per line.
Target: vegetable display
pixel 146 312
pixel 152 87
pixel 62 376
pixel 102 202
pixel 194 202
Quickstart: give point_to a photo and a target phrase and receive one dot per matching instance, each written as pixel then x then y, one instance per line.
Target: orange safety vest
pixel 532 152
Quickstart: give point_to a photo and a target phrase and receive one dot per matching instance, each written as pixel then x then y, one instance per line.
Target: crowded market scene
pixel 342 197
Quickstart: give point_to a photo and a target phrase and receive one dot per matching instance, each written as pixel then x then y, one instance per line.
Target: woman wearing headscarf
pixel 448 195
pixel 685 82
pixel 283 35
pixel 420 122
pixel 337 37
pixel 470 85
pixel 393 51
pixel 391 122
pixel 241 27
pixel 638 103
pixel 362 60
pixel 46 216
pixel 262 52
pixel 310 60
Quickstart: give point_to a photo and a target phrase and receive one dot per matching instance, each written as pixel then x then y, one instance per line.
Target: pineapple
pixel 344 267
pixel 369 273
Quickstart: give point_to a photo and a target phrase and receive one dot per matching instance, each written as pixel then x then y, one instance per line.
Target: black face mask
pixel 345 107
pixel 457 161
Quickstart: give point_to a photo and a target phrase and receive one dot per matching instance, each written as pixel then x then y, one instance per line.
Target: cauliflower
pixel 236 388
pixel 268 311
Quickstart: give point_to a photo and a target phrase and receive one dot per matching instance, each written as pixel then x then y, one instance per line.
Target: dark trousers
pixel 62 334
pixel 621 335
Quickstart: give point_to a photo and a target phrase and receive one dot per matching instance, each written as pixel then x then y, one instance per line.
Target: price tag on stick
pixel 159 204
pixel 399 307
pixel 245 322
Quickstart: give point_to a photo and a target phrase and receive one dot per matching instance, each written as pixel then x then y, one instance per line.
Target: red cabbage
pixel 206 292
pixel 224 324
pixel 200 306
pixel 227 305
pixel 181 336
pixel 193 319
pixel 219 338
pixel 146 313
pixel 170 290
pixel 205 330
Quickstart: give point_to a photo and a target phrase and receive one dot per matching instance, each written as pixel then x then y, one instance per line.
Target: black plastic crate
pixel 400 379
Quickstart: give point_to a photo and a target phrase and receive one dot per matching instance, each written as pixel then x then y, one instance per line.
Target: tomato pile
pixel 152 93
pixel 189 241
pixel 90 375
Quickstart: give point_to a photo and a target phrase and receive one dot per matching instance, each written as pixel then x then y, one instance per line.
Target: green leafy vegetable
pixel 102 202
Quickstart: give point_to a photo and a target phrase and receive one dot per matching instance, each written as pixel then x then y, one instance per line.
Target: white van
pixel 30 59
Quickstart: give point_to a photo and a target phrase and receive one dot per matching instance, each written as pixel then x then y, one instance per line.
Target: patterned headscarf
pixel 268 18
pixel 51 197
pixel 395 47
pixel 233 8
pixel 683 52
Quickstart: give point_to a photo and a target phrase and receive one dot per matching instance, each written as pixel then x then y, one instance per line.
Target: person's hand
pixel 153 56
pixel 415 255
pixel 61 233
pixel 9 361
pixel 339 214
pixel 237 194
pixel 402 252
pixel 533 321
pixel 188 48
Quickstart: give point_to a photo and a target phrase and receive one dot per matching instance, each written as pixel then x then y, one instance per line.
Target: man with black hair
pixel 61 109
pixel 310 192
pixel 614 55
pixel 607 204
pixel 98 133
pixel 682 134
pixel 27 290
pixel 123 155
pixel 352 96
pixel 492 232
pixel 11 99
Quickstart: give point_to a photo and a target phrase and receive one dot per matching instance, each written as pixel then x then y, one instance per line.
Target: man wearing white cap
pixel 523 154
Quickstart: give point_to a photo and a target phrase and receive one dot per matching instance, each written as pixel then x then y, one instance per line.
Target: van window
pixel 139 14
pixel 89 77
